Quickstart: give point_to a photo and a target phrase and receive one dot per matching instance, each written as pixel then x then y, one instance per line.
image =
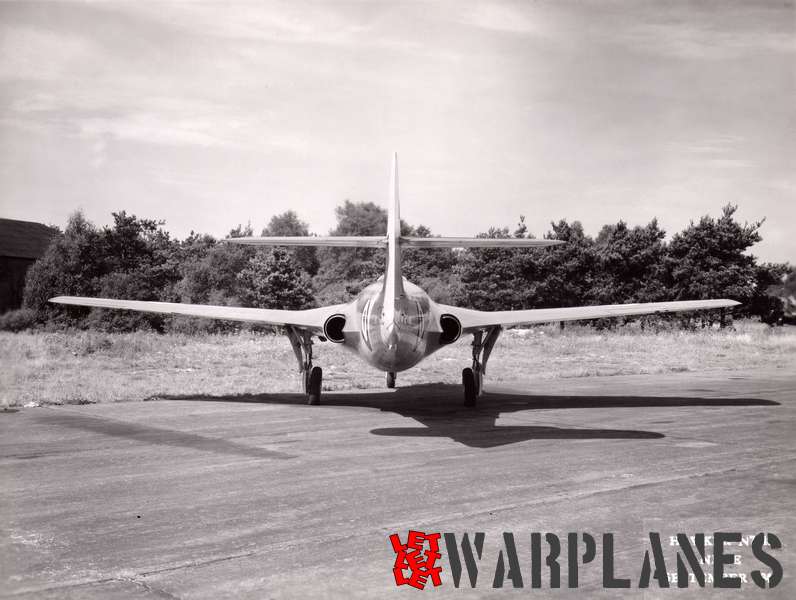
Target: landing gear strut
pixel 473 378
pixel 390 379
pixel 311 377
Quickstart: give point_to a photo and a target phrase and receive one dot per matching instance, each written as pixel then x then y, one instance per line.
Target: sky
pixel 206 115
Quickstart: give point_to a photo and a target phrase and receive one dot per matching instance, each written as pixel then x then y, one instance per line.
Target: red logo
pixel 417 556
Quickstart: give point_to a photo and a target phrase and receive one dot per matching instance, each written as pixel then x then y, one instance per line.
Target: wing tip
pixel 721 302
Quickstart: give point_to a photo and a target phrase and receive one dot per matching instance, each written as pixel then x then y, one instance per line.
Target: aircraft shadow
pixel 149 434
pixel 439 409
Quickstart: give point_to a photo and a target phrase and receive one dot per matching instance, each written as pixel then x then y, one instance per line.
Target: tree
pixel 565 273
pixel 70 266
pixel 241 231
pixel 137 263
pixel 360 218
pixel 709 260
pixel 130 285
pixel 502 278
pixel 433 269
pixel 789 283
pixel 274 280
pixel 630 264
pixel 289 224
pixel 490 278
pixel 344 272
pixel 132 259
pixel 767 301
pixel 785 290
pixel 209 270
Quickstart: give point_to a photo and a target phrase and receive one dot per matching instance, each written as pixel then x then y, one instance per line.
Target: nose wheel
pixel 390 380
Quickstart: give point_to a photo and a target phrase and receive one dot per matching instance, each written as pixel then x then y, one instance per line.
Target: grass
pixel 87 367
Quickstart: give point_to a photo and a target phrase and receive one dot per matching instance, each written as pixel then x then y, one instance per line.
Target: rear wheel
pixel 470 390
pixel 314 386
pixel 390 379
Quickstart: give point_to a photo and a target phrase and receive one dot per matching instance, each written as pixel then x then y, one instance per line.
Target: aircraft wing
pixel 472 320
pixel 463 242
pixel 312 318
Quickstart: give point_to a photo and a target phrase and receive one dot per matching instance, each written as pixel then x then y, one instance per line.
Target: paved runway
pixel 265 497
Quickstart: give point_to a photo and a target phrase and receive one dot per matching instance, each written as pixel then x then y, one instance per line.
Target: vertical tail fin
pixel 393 283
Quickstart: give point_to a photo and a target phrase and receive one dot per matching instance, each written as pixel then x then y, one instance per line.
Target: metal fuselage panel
pixel 392 340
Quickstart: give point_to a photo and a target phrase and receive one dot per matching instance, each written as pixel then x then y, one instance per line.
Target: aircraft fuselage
pixel 392 336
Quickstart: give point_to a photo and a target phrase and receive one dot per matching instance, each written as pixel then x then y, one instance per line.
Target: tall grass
pixel 86 367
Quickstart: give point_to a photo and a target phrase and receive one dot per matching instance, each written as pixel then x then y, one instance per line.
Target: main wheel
pixel 314 386
pixel 390 379
pixel 468 381
pixel 478 376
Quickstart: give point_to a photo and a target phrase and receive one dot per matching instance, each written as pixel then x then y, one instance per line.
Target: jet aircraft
pixel 393 324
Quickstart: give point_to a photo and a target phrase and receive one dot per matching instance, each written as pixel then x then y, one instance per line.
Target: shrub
pixel 17 320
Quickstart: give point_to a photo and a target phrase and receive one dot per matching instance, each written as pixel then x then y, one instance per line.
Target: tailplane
pixel 393 241
pixel 341 241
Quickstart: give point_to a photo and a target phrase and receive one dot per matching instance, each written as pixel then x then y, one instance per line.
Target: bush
pixel 17 320
pixel 191 325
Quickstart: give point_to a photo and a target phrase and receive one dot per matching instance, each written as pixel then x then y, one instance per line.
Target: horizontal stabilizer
pixel 374 241
pixel 377 241
pixel 313 318
pixel 463 242
pixel 480 319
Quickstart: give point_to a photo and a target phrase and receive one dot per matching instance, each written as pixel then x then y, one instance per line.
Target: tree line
pixel 135 258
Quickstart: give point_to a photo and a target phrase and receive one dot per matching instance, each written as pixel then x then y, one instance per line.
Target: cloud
pixel 289 22
pixel 729 163
pixel 98 153
pixel 153 129
pixel 702 41
pixel 635 104
pixel 505 17
pixel 706 31
pixel 41 55
pixel 712 145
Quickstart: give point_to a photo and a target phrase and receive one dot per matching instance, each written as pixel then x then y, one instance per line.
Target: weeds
pixel 84 366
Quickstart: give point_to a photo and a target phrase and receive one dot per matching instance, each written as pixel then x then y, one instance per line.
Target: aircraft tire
pixel 478 376
pixel 390 379
pixel 470 391
pixel 314 386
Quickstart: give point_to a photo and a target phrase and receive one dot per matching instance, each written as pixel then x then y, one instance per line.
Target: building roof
pixel 24 239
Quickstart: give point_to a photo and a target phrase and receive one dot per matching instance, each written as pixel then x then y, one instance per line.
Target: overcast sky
pixel 208 115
